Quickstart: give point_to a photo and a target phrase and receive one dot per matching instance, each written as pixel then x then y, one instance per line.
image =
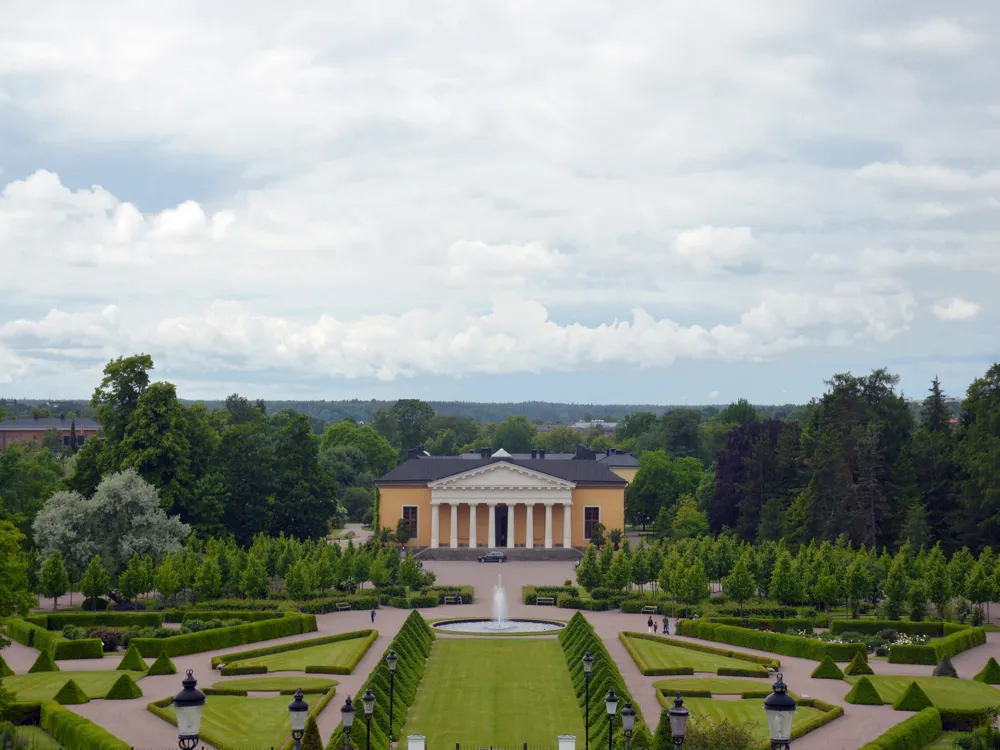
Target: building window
pixel 591 516
pixel 410 516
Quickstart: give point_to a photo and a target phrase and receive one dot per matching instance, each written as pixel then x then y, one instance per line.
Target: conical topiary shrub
pixel 44 663
pixel 311 739
pixel 912 699
pixel 828 670
pixel 132 661
pixel 5 671
pixel 162 665
pixel 864 693
pixel 990 674
pixel 945 668
pixel 71 694
pixel 858 666
pixel 124 689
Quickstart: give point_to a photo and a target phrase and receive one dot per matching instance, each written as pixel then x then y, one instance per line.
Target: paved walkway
pixel 131 721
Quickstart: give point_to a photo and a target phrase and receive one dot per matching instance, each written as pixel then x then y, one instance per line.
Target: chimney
pixel 607 451
pixel 541 453
pixel 489 453
pixel 534 453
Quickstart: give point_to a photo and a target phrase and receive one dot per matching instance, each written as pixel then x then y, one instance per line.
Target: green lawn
pixel 336 654
pixel 37 738
pixel 231 721
pixel 499 692
pixel 658 655
pixel 944 692
pixel 718 685
pixel 945 742
pixel 43 686
pixel 277 683
pixel 744 711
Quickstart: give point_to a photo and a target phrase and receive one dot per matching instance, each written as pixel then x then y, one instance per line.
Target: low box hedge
pixel 413 602
pixel 647 670
pixel 225 691
pixel 757 673
pixel 734 610
pixel 35 636
pixel 772 624
pixel 223 614
pixel 916 732
pixel 233 659
pixel 778 643
pixel 466 593
pixel 74 732
pixel 666 697
pixel 874 627
pixel 750 671
pixel 565 601
pixel 291 623
pixel 635 607
pixel 529 594
pixel 58 620
pixel 235 669
pixel 329 604
pixel 830 712
pixel 933 651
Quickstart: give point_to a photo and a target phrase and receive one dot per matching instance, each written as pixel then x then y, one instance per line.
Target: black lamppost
pixel 347 717
pixel 678 716
pixel 611 704
pixel 391 660
pixel 369 704
pixel 779 707
pixel 628 722
pixel 588 664
pixel 298 710
pixel 189 704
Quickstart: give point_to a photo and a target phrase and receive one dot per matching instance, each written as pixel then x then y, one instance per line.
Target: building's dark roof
pixel 45 423
pixel 432 468
pixel 617 459
pixel 620 459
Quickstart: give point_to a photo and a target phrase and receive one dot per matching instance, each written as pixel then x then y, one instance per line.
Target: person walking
pixel 649 625
pixel 654 627
pixel 373 617
pixel 666 626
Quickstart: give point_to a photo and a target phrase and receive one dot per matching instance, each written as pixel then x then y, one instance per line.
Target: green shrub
pixel 291 623
pixel 311 739
pixel 370 635
pixel 565 601
pixel 44 663
pixel 231 669
pixel 329 605
pixel 124 689
pixel 945 668
pixel 964 719
pixel 466 593
pixel 874 627
pixel 85 648
pixel 828 670
pixel 162 666
pixel 864 693
pixel 635 607
pixel 29 634
pixel 990 674
pixel 412 602
pixel 931 653
pixel 132 661
pixel 58 620
pixel 779 643
pixel 771 624
pixel 225 691
pixel 858 666
pixel 5 671
pixel 912 699
pixel 759 672
pixel 74 731
pixel 71 694
pixel 916 732
pixel 223 614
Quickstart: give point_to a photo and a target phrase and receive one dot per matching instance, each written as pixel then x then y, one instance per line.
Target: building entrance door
pixel 501 526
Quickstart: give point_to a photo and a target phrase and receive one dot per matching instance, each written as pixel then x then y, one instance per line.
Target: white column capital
pixel 549 503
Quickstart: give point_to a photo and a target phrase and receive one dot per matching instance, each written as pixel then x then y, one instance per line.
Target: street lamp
pixel 347 717
pixel 628 722
pixel 588 664
pixel 678 716
pixel 189 704
pixel 779 707
pixel 390 660
pixel 611 704
pixel 298 710
pixel 369 703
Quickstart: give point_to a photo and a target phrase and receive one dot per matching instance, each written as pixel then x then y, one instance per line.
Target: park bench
pixel 343 606
pixel 649 609
pixel 453 600
pixel 549 600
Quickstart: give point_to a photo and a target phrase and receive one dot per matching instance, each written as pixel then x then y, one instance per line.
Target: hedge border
pixel 292 623
pixel 238 656
pixel 919 730
pixel 37 637
pixel 626 636
pixel 934 629
pixel 529 594
pixel 778 643
pixel 75 732
pixel 933 651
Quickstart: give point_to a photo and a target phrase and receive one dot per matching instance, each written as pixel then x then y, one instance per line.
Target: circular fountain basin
pixel 491 627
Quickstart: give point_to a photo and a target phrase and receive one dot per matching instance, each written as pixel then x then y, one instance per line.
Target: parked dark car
pixel 494 557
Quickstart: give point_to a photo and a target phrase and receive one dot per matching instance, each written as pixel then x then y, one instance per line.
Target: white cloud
pixel 930 177
pixel 940 35
pixel 956 308
pixel 713 395
pixel 716 248
pixel 470 261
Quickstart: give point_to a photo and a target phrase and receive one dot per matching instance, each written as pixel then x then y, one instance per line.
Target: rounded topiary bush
pixel 864 693
pixel 44 663
pixel 912 699
pixel 124 689
pixel 71 694
pixel 990 674
pixel 828 670
pixel 858 666
pixel 945 668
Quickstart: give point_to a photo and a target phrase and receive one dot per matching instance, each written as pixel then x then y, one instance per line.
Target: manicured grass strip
pixel 750 712
pixel 714 685
pixel 37 738
pixel 312 684
pixel 230 721
pixel 655 657
pixel 337 655
pixel 512 691
pixel 43 686
pixel 358 639
pixel 944 692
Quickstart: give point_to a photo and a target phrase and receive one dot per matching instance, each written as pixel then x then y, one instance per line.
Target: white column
pixel 491 511
pixel 548 525
pixel 454 525
pixel 529 527
pixel 510 525
pixel 435 524
pixel 472 524
pixel 567 523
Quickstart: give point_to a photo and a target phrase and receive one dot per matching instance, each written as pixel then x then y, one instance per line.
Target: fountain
pixel 500 623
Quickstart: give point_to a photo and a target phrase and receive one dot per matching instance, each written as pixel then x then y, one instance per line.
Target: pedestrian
pixel 649 625
pixel 373 617
pixel 666 627
pixel 654 627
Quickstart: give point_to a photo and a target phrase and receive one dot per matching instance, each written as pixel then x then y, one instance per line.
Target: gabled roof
pixel 46 423
pixel 432 468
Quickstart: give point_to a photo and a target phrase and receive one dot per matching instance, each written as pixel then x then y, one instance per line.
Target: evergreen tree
pixel 54 581
pixel 934 414
pixel 916 530
pixel 95 582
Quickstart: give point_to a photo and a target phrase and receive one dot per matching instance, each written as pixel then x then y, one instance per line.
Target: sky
pixel 574 200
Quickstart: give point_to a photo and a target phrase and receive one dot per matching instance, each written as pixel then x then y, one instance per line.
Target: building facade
pixel 31 430
pixel 499 501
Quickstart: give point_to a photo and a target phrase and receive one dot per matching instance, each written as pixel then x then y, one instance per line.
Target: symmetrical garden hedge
pixel 874 627
pixel 529 594
pixel 329 604
pixel 58 620
pixel 412 646
pixel 187 615
pixel 291 623
pixel 232 661
pixel 74 732
pixel 750 671
pixel 576 639
pixel 38 637
pixel 778 643
pixel 773 624
pixel 918 731
pixel 933 651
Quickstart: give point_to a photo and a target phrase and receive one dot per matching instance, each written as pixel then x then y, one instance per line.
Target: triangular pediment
pixel 501 474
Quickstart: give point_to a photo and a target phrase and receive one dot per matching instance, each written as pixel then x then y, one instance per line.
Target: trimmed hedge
pixel 529 594
pixel 132 661
pixel 162 666
pixel 413 602
pixel 772 624
pixel 932 652
pixel 828 670
pixel 74 732
pixel 576 639
pixel 632 607
pixel 71 694
pixel 759 672
pixel 874 627
pixel 32 635
pixel 225 691
pixel 864 693
pixel 44 663
pixel 778 643
pixel 565 601
pixel 412 645
pixel 912 699
pixel 291 623
pixel 466 593
pixel 990 674
pixel 124 689
pixel 916 732
pixel 830 712
pixel 237 669
pixel 964 719
pixel 58 620
pixel 626 637
pixel 734 610
pixel 329 605
pixel 221 614
pixel 233 659
pixel 859 665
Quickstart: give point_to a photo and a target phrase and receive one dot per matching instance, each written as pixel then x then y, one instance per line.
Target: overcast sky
pixel 570 200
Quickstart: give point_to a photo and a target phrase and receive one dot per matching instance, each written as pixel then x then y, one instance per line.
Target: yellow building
pixel 496 500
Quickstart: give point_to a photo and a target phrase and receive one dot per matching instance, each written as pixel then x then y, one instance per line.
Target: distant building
pixel 605 426
pixel 29 429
